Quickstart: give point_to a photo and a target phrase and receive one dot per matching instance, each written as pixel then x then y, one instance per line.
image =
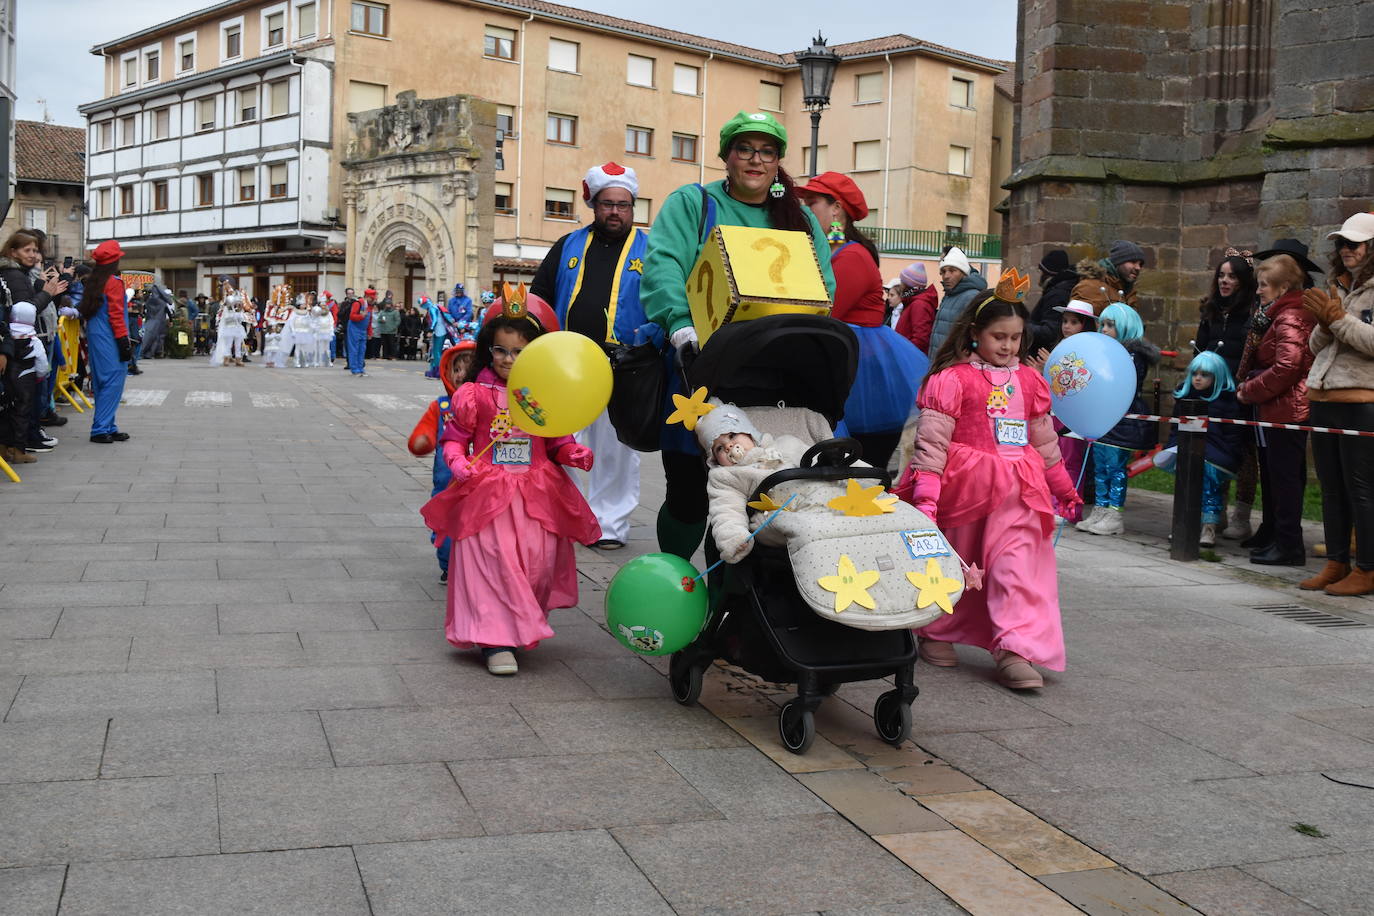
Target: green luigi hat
pixel 753 123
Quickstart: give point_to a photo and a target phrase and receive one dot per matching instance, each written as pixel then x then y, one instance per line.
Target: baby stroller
pixel 758 618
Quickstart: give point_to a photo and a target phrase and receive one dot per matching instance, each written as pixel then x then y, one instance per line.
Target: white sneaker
pixel 502 662
pixel 1091 521
pixel 1111 523
pixel 1209 536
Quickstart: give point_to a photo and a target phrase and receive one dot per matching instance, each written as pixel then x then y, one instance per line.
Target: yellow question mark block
pixel 744 273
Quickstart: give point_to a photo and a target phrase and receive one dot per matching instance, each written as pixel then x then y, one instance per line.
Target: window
pixel 558 203
pixel 248 184
pixel 126 199
pixel 274 28
pixel 233 42
pixel 278 96
pixel 130 71
pixel 685 79
pixel 152 65
pixel 639 140
pixel 186 54
pixel 307 18
pixel 100 204
pixel 246 103
pixel 868 155
pixel 770 96
pixel 365 96
pixel 36 218
pixel 160 195
pixel 685 147
pixel 640 71
pixel 563 55
pixel 205 190
pixel 205 113
pixel 822 158
pixel 959 161
pixel 505 119
pixel 126 130
pixel 104 135
pixel 368 18
pixel 643 210
pixel 161 119
pixel 276 180
pixel 499 42
pixel 961 92
pixel 505 197
pixel 561 129
pixel 868 87
pixel 956 224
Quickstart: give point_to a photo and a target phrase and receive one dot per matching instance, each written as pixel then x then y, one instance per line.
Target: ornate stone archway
pixel 416 177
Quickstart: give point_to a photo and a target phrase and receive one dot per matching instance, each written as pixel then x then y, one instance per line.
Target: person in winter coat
pixel 1111 279
pixel 1274 381
pixel 19 263
pixel 962 285
pixel 1057 280
pixel 157 308
pixel 919 303
pixel 1340 387
pixel 1208 379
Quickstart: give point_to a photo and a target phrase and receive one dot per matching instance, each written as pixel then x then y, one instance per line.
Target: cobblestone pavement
pixel 226 690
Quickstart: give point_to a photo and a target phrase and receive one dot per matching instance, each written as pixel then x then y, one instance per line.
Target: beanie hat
pixel 1055 261
pixel 610 175
pixel 25 313
pixel 726 418
pixel 957 259
pixel 1122 251
pixel 841 189
pixel 914 275
pixel 107 252
pixel 889 284
pixel 753 123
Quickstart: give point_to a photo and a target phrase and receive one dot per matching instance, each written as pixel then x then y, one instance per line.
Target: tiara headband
pixel 1011 289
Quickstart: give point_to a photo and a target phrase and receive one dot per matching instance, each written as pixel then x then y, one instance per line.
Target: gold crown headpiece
pixel 513 303
pixel 1011 288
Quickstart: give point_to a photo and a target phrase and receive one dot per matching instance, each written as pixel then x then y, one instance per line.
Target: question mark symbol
pixel 784 257
pixel 707 275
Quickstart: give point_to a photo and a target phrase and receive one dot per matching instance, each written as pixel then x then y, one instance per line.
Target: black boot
pixel 1274 555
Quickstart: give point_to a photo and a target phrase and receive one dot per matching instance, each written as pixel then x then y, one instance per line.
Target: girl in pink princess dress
pixel 986 462
pixel 510 513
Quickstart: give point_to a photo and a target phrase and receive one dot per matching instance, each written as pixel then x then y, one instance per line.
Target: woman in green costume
pixel 756 192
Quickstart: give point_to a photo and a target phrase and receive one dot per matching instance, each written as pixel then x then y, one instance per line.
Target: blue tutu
pixel 890 371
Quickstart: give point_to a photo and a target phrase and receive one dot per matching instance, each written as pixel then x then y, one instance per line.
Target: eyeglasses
pixel 624 206
pixel 1343 242
pixel 766 154
pixel 501 353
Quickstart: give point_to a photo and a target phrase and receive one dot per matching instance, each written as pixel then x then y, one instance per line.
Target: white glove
pixel 683 336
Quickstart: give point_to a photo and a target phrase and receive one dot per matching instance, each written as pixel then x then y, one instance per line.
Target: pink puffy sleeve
pixel 1036 392
pixel 942 392
pixel 940 401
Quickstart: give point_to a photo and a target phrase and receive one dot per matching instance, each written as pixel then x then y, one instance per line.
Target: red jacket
pixel 1277 374
pixel 918 317
pixel 858 287
pixel 116 303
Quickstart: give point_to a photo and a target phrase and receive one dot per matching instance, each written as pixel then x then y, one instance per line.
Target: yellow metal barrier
pixel 69 333
pixel 8 471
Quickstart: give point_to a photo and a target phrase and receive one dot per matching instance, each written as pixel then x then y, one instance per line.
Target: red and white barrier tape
pixel 1201 422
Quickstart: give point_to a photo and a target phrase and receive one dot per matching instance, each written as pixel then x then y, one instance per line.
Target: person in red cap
pixel 107 339
pixel 359 327
pixel 890 366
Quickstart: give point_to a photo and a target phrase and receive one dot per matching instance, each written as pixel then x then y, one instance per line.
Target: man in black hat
pixel 1057 279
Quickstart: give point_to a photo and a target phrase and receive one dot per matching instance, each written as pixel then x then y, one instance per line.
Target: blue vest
pixel 624 314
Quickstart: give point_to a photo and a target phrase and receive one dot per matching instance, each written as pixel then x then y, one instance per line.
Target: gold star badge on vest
pixel 637 265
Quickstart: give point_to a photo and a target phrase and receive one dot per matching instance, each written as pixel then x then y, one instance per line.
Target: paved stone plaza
pixel 226 689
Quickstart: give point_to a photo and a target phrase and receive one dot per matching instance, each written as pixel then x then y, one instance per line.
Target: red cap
pixel 107 252
pixel 370 292
pixel 327 294
pixel 843 189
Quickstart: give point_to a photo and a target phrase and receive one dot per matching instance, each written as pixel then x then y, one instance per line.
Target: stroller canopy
pixel 803 360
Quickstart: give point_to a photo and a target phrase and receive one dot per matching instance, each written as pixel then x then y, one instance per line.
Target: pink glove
pixel 926 493
pixel 575 456
pixel 456 457
pixel 1064 491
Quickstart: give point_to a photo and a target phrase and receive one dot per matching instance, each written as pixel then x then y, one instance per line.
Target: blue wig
pixel 1211 363
pixel 1126 320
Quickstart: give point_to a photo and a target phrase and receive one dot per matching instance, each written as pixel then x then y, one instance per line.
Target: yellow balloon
pixel 559 385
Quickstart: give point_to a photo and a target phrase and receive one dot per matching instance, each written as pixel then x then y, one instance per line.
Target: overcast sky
pixel 55 36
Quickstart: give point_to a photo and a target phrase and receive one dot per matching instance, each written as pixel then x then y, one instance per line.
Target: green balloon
pixel 651 609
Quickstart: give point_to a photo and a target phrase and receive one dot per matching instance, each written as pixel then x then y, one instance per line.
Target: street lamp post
pixel 818 65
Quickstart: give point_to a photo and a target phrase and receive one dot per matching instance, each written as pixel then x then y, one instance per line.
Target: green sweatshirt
pixel 675 243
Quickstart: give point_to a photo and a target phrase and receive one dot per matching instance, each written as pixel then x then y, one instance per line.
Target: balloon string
pixel 1077 484
pixel 766 522
pixel 495 439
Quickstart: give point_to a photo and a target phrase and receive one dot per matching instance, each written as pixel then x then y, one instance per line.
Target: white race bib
pixel 1010 432
pixel 512 451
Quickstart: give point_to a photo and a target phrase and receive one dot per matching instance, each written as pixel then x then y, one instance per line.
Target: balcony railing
pixel 931 242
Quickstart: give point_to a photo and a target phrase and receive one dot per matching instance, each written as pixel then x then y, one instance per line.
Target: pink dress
pixel 512 524
pixel 992 429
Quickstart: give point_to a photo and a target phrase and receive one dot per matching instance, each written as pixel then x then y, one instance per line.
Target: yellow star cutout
pixel 688 411
pixel 935 587
pixel 850 586
pixel 637 265
pixel 764 503
pixel 859 501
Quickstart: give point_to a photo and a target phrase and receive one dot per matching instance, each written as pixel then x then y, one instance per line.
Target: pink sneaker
pixel 937 653
pixel 1015 672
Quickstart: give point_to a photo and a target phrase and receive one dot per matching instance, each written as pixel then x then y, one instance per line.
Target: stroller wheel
pixel 892 717
pixel 796 727
pixel 684 679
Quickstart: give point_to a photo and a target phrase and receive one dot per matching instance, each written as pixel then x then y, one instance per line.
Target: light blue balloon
pixel 1092 383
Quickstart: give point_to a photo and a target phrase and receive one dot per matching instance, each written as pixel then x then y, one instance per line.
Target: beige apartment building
pixel 220 144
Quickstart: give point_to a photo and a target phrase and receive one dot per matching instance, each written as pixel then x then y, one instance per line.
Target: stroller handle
pixel 846 450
